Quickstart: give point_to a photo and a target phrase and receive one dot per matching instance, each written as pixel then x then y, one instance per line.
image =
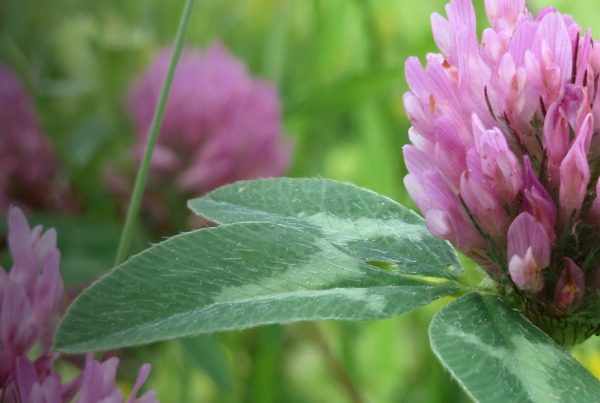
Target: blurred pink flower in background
pixel 505 157
pixel 30 297
pixel 27 162
pixel 28 166
pixel 220 124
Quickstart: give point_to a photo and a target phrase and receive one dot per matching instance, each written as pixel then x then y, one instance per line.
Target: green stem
pixel 142 175
pixel 274 56
pixel 374 43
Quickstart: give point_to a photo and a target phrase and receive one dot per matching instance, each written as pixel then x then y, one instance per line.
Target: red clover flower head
pixel 30 293
pixel 30 297
pixel 220 125
pixel 505 157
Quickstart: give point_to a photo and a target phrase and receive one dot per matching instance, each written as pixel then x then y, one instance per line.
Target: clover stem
pixel 142 176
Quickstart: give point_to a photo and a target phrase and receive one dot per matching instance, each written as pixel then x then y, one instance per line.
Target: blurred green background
pixel 339 67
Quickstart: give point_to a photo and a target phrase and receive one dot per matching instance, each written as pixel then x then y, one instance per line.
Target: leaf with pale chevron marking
pixel 370 226
pixel 234 277
pixel 499 356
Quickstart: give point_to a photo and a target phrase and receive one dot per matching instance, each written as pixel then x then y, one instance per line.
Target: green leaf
pixel 235 277
pixel 371 227
pixel 499 356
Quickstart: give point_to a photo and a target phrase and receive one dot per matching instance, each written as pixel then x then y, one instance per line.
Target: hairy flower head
pixel 505 157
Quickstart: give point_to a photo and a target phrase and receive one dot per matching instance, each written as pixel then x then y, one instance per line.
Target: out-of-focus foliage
pixel 339 66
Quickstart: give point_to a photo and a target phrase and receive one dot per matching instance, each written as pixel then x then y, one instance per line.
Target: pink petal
pixel 19 241
pixel 522 41
pixel 417 161
pixel 525 272
pixel 526 233
pixel 49 391
pixel 537 201
pixel 417 80
pixel 440 225
pixel 556 140
pixel 575 172
pixel 26 377
pixel 504 14
pixel 570 286
pixel 500 164
pixel 149 396
pixel 482 200
pixel 441 33
pixel 98 381
pixel 553 31
pixel 49 290
pixel 17 330
pixel 460 230
pixel 585 54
